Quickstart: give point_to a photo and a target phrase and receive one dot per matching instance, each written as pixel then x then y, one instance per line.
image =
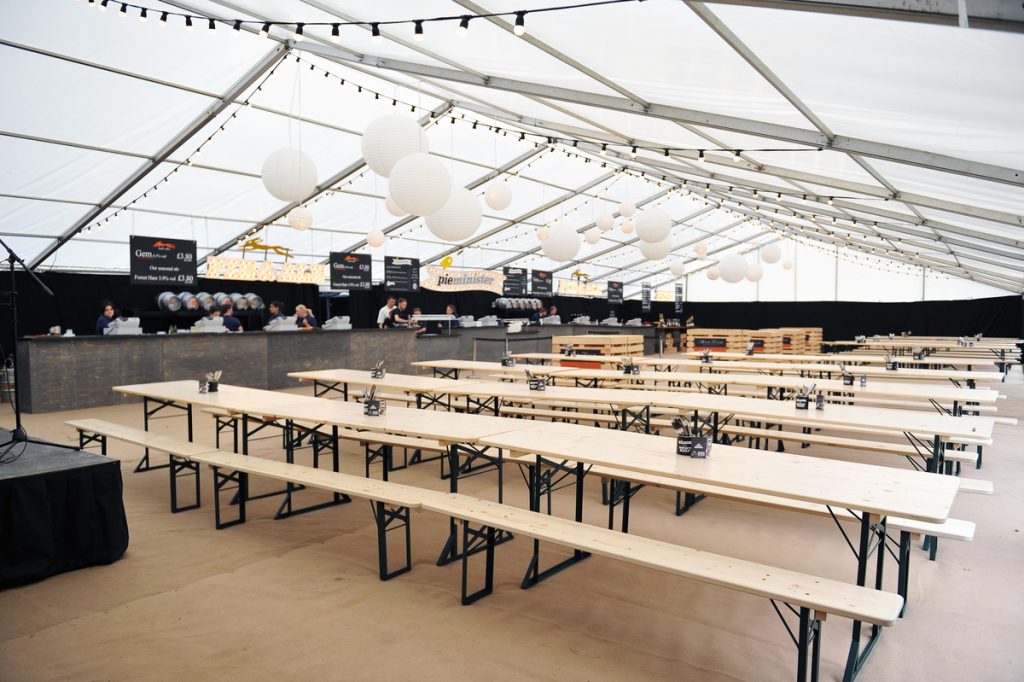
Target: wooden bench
pixel 559 415
pixel 179 452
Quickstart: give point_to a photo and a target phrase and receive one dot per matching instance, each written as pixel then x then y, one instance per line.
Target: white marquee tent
pixel 882 151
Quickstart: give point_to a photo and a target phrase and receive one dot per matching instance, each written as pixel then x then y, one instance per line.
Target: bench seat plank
pixel 130 434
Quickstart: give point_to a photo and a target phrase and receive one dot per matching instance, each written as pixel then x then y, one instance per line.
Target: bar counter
pixel 64 373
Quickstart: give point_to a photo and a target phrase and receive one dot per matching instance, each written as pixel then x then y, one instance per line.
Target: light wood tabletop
pixel 850 359
pixel 408 383
pixel 488 367
pixel 875 489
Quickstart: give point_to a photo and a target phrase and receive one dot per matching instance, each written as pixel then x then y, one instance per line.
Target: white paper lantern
pixel 289 174
pixel 713 273
pixel 701 250
pixel 458 218
pixel 543 232
pixel 787 265
pixel 653 225
pixel 593 235
pixel 375 239
pixel 732 268
pixel 300 218
pixel 627 227
pixel 771 253
pixel 656 250
pixel 754 272
pixel 678 268
pixel 563 243
pixel 389 139
pixel 605 222
pixel 393 208
pixel 420 184
pixel 627 209
pixel 498 195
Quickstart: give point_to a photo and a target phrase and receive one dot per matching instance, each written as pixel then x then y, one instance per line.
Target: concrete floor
pixel 299 598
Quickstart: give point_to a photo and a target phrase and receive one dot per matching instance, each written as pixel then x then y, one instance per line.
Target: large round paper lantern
pixel 627 227
pixel 375 239
pixel 289 174
pixel 678 268
pixel 713 273
pixel 420 184
pixel 458 218
pixel 393 208
pixel 543 232
pixel 771 253
pixel 656 250
pixel 787 265
pixel 605 222
pixel 653 225
pixel 389 139
pixel 498 195
pixel 563 243
pixel 627 209
pixel 732 268
pixel 300 218
pixel 701 250
pixel 593 235
pixel 754 272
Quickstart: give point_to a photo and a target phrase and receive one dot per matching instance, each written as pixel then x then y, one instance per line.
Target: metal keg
pixel 168 301
pixel 188 301
pixel 206 301
pixel 241 303
pixel 255 302
pixel 220 298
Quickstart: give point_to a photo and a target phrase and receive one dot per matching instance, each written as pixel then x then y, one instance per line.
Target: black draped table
pixel 60 510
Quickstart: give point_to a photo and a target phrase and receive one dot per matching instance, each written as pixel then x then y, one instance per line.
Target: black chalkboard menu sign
pixel 615 293
pixel 163 261
pixel 351 271
pixel 401 274
pixel 515 282
pixel 541 282
pixel 680 294
pixel 645 297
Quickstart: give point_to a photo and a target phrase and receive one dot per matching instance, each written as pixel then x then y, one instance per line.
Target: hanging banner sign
pixel 351 271
pixel 540 282
pixel 571 287
pixel 401 274
pixel 440 279
pixel 614 293
pixel 645 297
pixel 680 295
pixel 515 281
pixel 221 267
pixel 162 261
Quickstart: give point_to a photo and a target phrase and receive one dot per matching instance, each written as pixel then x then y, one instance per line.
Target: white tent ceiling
pixel 898 140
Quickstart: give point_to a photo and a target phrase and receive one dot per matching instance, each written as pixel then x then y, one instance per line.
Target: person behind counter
pixel 303 318
pixel 452 324
pixel 105 317
pixel 275 311
pixel 416 324
pixel 231 323
pixel 539 315
pixel 398 317
pixel 385 312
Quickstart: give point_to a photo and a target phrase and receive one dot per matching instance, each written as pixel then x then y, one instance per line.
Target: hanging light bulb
pixel 188 23
pixel 700 156
pixel 417 33
pixel 463 27
pixel 142 16
pixel 103 5
pixel 212 26
pixel 520 27
pixel 124 10
pixel 375 32
pixel 299 29
pixel 736 157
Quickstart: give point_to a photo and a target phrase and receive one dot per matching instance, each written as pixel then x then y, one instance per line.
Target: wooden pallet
pixel 794 340
pixel 605 344
pixel 716 340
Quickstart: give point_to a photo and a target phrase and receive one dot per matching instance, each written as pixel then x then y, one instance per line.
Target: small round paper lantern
pixel 289 174
pixel 787 265
pixel 593 235
pixel 732 268
pixel 563 243
pixel 300 218
pixel 393 208
pixel 498 195
pixel 605 222
pixel 627 227
pixel 678 268
pixel 701 250
pixel 713 273
pixel 627 209
pixel 754 272
pixel 458 218
pixel 656 250
pixel 375 239
pixel 420 184
pixel 389 139
pixel 543 232
pixel 771 253
pixel 653 225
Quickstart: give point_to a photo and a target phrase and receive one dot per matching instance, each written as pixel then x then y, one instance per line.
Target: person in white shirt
pixel 385 311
